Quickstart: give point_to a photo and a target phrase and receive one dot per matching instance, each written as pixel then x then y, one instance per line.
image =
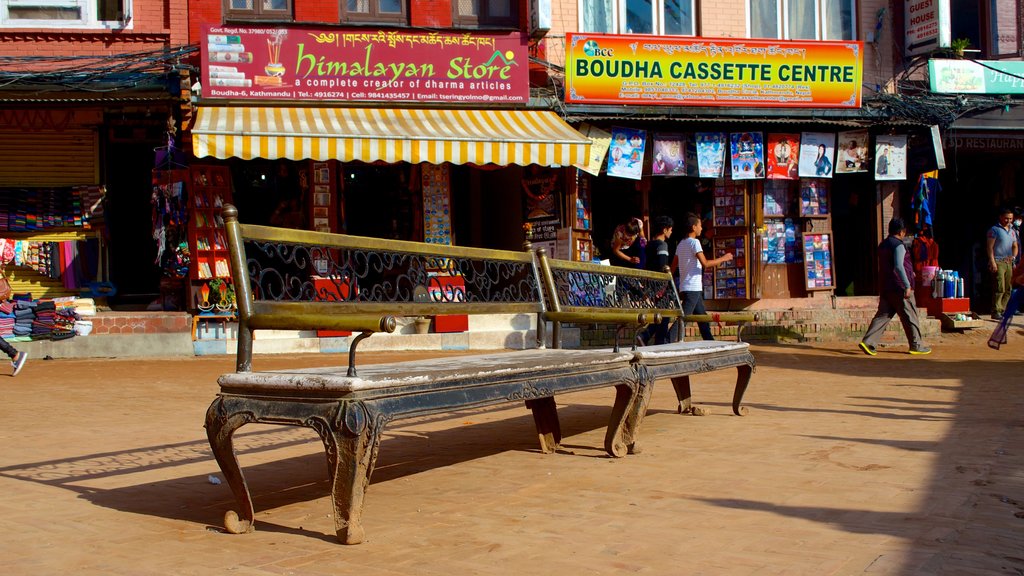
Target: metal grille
pixel 299 273
pixel 608 290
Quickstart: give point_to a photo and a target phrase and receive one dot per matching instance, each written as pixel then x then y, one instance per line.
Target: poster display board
pixel 818 262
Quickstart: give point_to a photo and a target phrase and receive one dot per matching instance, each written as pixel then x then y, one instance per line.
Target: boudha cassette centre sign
pixel 262 63
pixel 669 70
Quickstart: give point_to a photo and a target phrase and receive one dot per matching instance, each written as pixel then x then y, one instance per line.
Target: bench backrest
pixel 583 291
pixel 301 280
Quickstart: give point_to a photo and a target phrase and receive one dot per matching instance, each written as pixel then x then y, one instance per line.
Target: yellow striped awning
pixel 434 136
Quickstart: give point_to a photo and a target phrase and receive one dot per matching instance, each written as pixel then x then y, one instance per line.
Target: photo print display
pixel 852 152
pixel 817 149
pixel 600 141
pixel 891 157
pixel 710 154
pixel 669 155
pixel 626 155
pixel 783 155
pixel 746 150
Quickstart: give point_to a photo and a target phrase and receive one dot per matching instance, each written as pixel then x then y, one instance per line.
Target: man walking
pixel 1002 249
pixel 895 293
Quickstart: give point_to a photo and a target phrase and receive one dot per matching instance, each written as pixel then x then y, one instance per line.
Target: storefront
pixel 784 168
pixel 451 174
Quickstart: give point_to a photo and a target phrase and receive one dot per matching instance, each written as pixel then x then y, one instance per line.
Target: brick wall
pixel 155 24
pixel 728 19
pixel 431 13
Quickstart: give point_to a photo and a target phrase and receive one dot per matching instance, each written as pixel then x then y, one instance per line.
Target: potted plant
pixel 422 324
pixel 958 46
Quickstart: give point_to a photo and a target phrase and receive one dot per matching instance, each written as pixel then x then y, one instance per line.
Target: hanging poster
pixel 626 156
pixel 853 152
pixel 817 149
pixel 818 261
pixel 891 157
pixel 669 155
pixel 600 140
pixel 783 156
pixel 747 152
pixel 540 193
pixel 710 154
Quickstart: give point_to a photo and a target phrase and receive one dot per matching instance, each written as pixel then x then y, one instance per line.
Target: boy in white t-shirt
pixel 690 262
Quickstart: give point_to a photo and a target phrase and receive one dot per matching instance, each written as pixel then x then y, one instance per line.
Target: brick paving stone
pixel 846 464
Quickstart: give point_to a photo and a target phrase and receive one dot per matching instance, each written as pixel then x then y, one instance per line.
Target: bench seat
pixel 350 412
pixel 679 360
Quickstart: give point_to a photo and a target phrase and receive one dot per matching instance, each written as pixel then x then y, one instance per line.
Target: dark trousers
pixel 693 303
pixel 890 304
pixel 6 348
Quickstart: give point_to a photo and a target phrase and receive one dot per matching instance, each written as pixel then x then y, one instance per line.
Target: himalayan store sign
pixel 650 70
pixel 254 63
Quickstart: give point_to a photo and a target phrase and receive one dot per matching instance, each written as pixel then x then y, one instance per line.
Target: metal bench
pixel 301 280
pixel 584 288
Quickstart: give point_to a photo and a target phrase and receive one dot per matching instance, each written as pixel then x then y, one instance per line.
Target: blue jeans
pixel 693 303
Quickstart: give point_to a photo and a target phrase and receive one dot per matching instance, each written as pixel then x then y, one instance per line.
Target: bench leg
pixel 351 456
pixel 637 411
pixel 681 384
pixel 615 441
pixel 220 426
pixel 545 416
pixel 742 380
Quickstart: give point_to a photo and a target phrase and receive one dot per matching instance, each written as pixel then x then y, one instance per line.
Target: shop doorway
pixel 131 249
pixel 855 226
pixel 380 201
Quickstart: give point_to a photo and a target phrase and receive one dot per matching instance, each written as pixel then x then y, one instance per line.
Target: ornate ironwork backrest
pixel 350 274
pixel 586 287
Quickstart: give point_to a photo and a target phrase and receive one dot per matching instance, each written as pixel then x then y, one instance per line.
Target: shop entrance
pixel 380 201
pixel 855 225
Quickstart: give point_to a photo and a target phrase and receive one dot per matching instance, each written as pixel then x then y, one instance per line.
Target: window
pixel 992 27
pixel 661 17
pixel 373 11
pixel 65 13
pixel 1003 29
pixel 802 19
pixel 258 9
pixel 473 13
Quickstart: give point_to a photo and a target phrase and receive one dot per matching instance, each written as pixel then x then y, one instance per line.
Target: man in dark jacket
pixel 895 292
pixel 658 259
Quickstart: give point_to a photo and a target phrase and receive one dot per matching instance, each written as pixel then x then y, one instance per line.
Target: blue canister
pixel 949 289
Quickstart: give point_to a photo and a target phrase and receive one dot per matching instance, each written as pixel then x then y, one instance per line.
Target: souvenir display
pixel 437 220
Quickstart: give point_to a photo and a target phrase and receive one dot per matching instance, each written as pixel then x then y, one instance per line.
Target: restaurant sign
pixel 678 71
pixel 265 63
pixel 976 76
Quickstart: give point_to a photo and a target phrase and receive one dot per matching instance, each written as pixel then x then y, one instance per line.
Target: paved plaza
pixel 845 464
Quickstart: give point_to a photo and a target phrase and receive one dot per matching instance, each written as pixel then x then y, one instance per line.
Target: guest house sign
pixel 260 63
pixel 669 70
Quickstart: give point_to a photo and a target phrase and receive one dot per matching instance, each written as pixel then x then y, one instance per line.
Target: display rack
pixel 814 199
pixel 207 241
pixel 730 199
pixel 731 278
pixel 818 271
pixel 580 243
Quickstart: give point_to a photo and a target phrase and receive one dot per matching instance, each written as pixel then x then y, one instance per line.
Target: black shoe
pixel 921 350
pixel 868 349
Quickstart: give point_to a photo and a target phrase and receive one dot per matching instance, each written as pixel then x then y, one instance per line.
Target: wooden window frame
pixel 485 21
pixel 375 16
pixel 257 12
